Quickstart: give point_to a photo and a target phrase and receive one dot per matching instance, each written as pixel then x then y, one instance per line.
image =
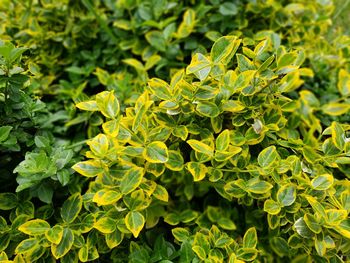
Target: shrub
pixel 227 132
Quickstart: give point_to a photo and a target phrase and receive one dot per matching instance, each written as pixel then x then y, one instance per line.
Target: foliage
pixel 215 131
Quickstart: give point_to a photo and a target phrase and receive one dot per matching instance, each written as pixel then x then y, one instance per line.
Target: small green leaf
pixel 338 135
pixel 208 109
pixel 90 105
pixel 8 201
pixel 71 208
pixel 335 108
pixel 272 207
pixel 131 180
pixel 27 245
pixel 4 132
pixel 322 182
pixel 267 156
pixel 198 170
pixel 58 251
pixel 201 147
pixel 106 197
pixel 156 152
pixel 180 234
pixel 34 227
pixel 108 104
pixel 55 234
pixel 286 195
pixel 200 66
pixel 90 168
pixel 134 221
pixel 250 239
pixel 105 225
pixel 224 49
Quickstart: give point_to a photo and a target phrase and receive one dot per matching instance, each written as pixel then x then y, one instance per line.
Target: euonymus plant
pixel 242 156
pixel 227 126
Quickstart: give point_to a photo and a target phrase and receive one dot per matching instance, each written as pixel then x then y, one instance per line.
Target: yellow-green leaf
pixel 198 170
pixel 344 82
pixel 267 156
pixel 250 239
pixel 111 128
pixel 156 152
pixel 175 162
pixel 201 147
pixel 106 197
pixel 338 135
pixel 208 109
pixel 322 182
pixel 200 66
pixel 89 105
pixel 34 227
pixel 90 168
pixel 64 246
pixel 99 144
pixel 114 239
pixel 286 195
pixel 223 140
pixel 134 221
pixel 335 108
pixel 27 245
pixel 224 49
pixel 108 104
pixel 131 180
pixel 161 193
pixel 71 208
pixel 160 88
pixel 105 225
pixel 55 234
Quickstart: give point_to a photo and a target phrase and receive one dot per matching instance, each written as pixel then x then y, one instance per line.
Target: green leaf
pixel 180 234
pixel 280 246
pixel 90 168
pixel 8 201
pixel 208 109
pixel 106 197
pixel 156 152
pixel 312 223
pixel 71 208
pixel 258 187
pixel 134 221
pixel 272 207
pixel 34 227
pixel 156 39
pixel 90 105
pixel 322 182
pixel 338 135
pixel 228 9
pixel 175 162
pixel 267 156
pixel 58 251
pixel 200 66
pixel 114 239
pixel 223 140
pixel 105 225
pixel 224 49
pixel 161 193
pixel 108 104
pixel 4 132
pixel 250 239
pixel 201 147
pixel 286 195
pixel 187 25
pixel 131 180
pixel 55 234
pixel 27 245
pixel 344 82
pixel 335 108
pixel 160 88
pixel 198 170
